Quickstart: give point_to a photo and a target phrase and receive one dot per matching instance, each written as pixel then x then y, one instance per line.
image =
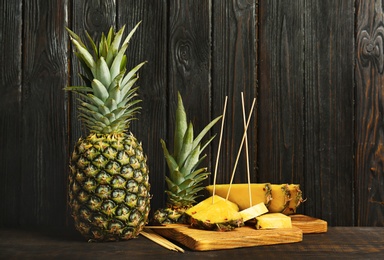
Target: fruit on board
pixel 109 192
pixel 281 196
pixel 239 193
pixel 222 215
pixel 205 204
pixel 296 199
pixel 185 176
pixel 272 221
pixel 253 212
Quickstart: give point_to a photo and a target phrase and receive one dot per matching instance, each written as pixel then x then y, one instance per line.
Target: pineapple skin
pixel 109 192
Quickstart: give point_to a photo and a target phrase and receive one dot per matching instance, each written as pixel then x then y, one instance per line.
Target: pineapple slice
pixel 272 221
pixel 253 212
pixel 280 198
pixel 296 199
pixel 222 215
pixel 239 194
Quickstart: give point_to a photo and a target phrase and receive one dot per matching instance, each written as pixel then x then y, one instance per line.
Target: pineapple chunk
pixel 280 198
pixel 272 221
pixel 296 199
pixel 253 212
pixel 239 194
pixel 219 216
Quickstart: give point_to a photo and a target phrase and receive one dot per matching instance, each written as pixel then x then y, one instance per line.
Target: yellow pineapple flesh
pixel 222 215
pixel 273 221
pixel 280 198
pixel 253 212
pixel 239 193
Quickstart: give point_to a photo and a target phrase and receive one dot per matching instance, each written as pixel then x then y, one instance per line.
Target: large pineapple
pixel 108 183
pixel 185 177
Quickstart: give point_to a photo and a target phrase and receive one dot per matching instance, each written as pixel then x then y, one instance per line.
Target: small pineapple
pixel 108 182
pixel 184 178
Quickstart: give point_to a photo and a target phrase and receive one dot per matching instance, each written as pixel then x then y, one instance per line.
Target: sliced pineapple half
pixel 239 193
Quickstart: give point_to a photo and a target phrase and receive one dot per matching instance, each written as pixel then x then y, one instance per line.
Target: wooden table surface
pixel 338 242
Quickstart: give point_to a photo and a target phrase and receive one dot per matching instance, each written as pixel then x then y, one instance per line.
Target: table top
pixel 54 243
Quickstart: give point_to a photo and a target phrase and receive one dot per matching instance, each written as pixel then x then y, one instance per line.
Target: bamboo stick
pixel 148 233
pixel 241 146
pixel 219 147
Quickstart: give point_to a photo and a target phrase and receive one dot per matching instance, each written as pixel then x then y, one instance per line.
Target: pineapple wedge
pixel 206 203
pixel 261 192
pixel 222 215
pixel 272 221
pixel 296 199
pixel 281 197
pixel 254 211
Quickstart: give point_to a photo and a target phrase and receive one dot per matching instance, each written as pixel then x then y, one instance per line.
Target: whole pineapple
pixel 109 192
pixel 185 178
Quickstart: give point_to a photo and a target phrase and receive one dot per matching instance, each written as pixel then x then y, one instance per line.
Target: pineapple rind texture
pixel 296 199
pixel 281 197
pixel 109 189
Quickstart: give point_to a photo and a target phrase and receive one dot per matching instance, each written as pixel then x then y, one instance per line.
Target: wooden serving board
pixel 247 236
pixel 309 224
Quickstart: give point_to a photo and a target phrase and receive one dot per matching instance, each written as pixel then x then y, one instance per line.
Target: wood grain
pixel 189 65
pixel 308 224
pixel 306 102
pixel 10 110
pixel 234 71
pixel 202 240
pixel 43 154
pixel 316 68
pixel 369 114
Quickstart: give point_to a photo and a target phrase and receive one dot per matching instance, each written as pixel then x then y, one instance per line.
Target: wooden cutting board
pixel 309 224
pixel 247 236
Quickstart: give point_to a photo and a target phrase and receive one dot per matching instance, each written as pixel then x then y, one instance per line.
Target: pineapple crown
pixel 185 177
pixel 108 102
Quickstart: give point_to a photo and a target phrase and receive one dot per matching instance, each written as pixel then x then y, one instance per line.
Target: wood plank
pixel 329 108
pixel 150 44
pixel 306 102
pixel 281 96
pixel 369 114
pixel 189 65
pixel 43 150
pixel 234 70
pixel 10 110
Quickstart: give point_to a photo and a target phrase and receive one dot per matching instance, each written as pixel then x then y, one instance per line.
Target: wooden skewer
pixel 148 233
pixel 219 147
pixel 246 151
pixel 241 146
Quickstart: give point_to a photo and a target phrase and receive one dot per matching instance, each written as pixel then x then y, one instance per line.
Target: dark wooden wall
pixel 315 67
